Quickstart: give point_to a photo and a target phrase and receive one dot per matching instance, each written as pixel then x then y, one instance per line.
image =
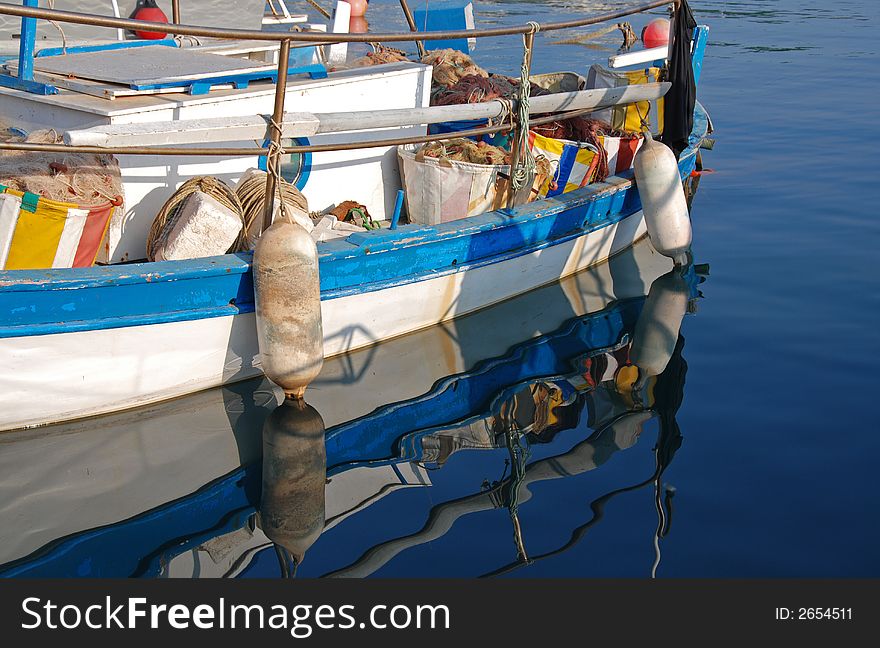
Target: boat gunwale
pixel 373 242
pixel 213 298
pixel 353 245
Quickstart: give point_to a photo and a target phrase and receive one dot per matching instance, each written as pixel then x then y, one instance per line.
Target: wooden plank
pixel 227 129
pixel 598 99
pixel 108 91
pixel 235 48
pixel 162 66
pixel 190 131
pixel 639 56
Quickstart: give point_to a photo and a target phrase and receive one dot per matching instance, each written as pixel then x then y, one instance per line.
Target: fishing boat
pixel 129 495
pixel 109 337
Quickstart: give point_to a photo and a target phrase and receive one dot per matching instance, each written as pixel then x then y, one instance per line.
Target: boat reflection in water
pixel 239 482
pixel 294 474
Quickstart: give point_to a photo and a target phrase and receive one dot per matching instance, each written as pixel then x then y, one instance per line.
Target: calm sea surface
pixel 752 455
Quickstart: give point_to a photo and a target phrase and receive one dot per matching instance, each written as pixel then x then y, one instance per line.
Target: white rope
pixel 120 33
pixel 273 166
pixel 51 4
pixel 525 168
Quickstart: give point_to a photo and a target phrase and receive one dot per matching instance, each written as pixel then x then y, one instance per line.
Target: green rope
pixel 525 168
pixel 519 456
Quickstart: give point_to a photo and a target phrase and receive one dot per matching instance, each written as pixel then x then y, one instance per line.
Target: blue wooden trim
pixel 82 49
pixel 41 302
pixel 203 86
pixel 27 44
pixel 34 87
pixel 701 38
pixel 305 162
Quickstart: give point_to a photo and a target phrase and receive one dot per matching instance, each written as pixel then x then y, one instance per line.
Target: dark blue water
pixel 779 477
pixel 777 421
pixel 777 473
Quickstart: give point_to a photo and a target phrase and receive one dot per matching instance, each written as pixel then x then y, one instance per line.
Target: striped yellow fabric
pixel 37 235
pixel 573 163
pixel 642 115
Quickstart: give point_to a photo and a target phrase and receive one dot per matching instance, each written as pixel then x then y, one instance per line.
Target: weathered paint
pixel 24 79
pixel 57 51
pixel 139 460
pixel 288 306
pixel 40 302
pixel 136 547
pixel 106 339
pixel 701 38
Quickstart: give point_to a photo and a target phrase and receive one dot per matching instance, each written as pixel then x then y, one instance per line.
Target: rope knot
pixel 525 167
pixel 273 165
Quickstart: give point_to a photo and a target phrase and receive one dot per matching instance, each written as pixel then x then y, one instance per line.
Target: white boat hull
pixel 88 373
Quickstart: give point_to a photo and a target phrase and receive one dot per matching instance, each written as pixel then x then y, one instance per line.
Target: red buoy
pixel 656 33
pixel 149 10
pixel 358 8
pixel 358 25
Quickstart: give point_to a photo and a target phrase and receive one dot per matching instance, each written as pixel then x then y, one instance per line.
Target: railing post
pixel 28 44
pixel 273 160
pixel 175 11
pixel 412 26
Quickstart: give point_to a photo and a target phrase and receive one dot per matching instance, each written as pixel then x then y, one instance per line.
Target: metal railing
pixel 321 37
pixel 305 39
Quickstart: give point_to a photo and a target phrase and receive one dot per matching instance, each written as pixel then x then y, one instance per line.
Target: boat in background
pixel 109 338
pixel 174 489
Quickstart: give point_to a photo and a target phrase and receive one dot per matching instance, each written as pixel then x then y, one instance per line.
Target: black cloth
pixel 678 120
pixel 668 396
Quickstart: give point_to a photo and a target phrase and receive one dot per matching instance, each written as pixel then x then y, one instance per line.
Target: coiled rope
pixel 525 167
pixel 167 216
pixel 252 194
pixel 273 167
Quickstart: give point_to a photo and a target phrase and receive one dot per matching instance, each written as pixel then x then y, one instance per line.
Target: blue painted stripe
pixel 563 171
pixel 41 302
pixel 34 87
pixel 242 79
pixel 701 38
pixel 82 49
pixel 588 225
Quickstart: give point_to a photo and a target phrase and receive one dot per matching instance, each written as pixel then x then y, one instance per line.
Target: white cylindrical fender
pixel 292 506
pixel 659 323
pixel 627 429
pixel 287 293
pixel 663 201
